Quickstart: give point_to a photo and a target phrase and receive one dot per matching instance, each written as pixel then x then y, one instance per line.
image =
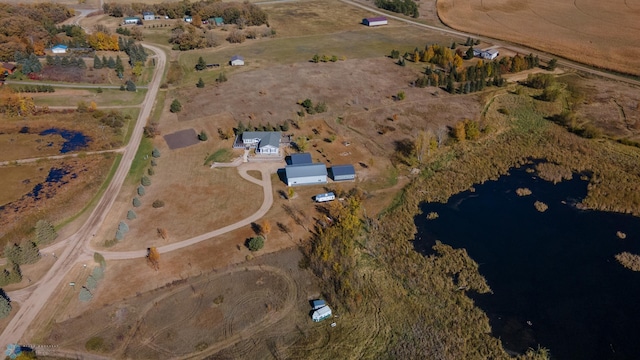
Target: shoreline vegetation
pixel 426 295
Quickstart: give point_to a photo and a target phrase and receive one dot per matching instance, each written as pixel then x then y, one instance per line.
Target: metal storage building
pixel 343 172
pixel 375 21
pixel 321 314
pixel 306 174
pixel 298 159
pixel 318 303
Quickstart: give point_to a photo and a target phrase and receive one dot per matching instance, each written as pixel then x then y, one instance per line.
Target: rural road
pixel 77 243
pixel 520 49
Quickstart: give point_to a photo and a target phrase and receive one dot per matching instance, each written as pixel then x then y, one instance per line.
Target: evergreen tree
pixel 45 232
pixel 5 306
pixel 105 62
pixel 49 60
pixel 200 83
pixel 119 67
pixel 201 65
pixel 111 63
pixel 175 106
pixel 131 86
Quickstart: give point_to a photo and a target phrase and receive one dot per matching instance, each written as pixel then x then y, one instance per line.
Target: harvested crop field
pixel 599 33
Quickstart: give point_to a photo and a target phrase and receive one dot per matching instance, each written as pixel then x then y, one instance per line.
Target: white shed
pixel 148 15
pixel 237 60
pixel 59 49
pixel 321 314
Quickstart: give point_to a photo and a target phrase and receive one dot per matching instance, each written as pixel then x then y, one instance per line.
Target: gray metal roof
pixel 303 170
pixel 237 57
pixel 266 137
pixel 339 170
pixel 303 158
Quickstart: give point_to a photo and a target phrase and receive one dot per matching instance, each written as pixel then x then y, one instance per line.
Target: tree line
pixel 240 13
pixel 406 7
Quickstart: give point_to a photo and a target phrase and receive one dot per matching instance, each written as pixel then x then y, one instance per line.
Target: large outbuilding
pixel 343 172
pixel 148 15
pixel 487 54
pixel 321 314
pixel 306 174
pixel 375 21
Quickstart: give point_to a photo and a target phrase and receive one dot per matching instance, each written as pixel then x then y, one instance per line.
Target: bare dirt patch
pixel 265 301
pixel 587 31
pixel 182 138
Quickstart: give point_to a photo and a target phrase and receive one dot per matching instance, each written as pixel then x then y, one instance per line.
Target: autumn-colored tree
pixel 103 42
pixel 458 132
pixel 266 228
pixel 153 258
pixel 457 62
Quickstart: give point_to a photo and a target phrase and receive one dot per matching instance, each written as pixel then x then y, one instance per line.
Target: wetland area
pixel 553 274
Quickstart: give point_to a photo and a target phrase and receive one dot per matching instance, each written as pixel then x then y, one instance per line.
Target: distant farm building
pixel 375 21
pixel 317 304
pixel 132 21
pixel 148 15
pixel 236 60
pixel 188 19
pixel 8 68
pixel 343 172
pixel 306 174
pixel 265 142
pixel 299 159
pixel 321 314
pixel 217 21
pixel 488 54
pixel 59 49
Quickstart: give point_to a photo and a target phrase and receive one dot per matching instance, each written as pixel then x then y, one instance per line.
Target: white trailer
pixel 325 197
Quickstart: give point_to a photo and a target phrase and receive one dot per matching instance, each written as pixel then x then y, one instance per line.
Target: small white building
pixel 488 54
pixel 321 314
pixel 148 15
pixel 59 49
pixel 188 19
pixel 131 20
pixel 237 60
pixel 375 21
pixel 325 197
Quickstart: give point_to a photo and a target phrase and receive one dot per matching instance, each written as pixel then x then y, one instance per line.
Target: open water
pixel 554 277
pixel 74 140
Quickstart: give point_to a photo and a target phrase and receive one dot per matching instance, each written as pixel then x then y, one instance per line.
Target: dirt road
pixel 520 49
pixel 78 242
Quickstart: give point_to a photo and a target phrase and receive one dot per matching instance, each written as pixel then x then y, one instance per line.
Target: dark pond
pixel 74 140
pixel 55 176
pixel 554 277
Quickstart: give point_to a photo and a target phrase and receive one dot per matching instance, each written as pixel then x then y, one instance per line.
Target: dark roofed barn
pixel 298 159
pixel 375 21
pixel 343 172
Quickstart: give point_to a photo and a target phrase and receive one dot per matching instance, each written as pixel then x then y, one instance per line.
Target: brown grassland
pixel 219 300
pixel 603 34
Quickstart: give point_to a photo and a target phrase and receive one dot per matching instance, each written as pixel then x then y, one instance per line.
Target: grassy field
pixel 603 34
pixel 108 97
